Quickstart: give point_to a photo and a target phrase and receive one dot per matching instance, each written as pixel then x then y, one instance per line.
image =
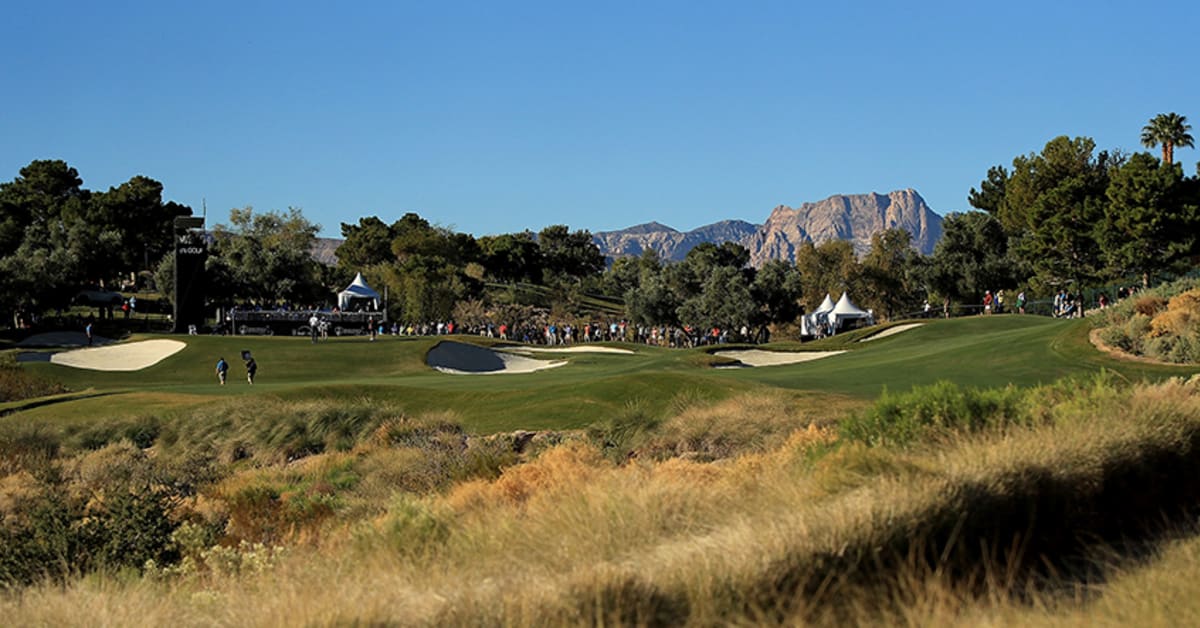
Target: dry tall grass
pixel 1007 526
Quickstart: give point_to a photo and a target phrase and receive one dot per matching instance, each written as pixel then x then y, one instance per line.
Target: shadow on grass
pixel 1043 533
pixel 30 404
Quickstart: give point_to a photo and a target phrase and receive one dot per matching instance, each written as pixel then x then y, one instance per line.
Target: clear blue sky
pixel 493 117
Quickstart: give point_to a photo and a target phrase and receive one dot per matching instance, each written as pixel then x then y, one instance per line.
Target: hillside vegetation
pixel 1048 485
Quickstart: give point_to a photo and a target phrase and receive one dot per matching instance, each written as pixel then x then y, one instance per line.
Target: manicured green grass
pixel 977 351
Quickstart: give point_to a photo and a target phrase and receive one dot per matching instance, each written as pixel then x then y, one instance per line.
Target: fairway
pixel 591 386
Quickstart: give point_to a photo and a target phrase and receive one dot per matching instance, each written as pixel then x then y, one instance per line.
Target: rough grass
pixel 1021 523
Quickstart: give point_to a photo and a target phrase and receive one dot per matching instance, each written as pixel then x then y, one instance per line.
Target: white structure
pixel 845 311
pixel 830 317
pixel 358 290
pixel 813 324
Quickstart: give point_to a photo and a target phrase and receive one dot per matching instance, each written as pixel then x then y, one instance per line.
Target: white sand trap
pixel 134 356
pixel 573 349
pixel 758 357
pixel 464 359
pixel 891 331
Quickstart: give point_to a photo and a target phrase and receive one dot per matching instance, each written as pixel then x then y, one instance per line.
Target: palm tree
pixel 1170 130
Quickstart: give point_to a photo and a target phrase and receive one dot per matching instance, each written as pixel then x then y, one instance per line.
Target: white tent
pixel 358 289
pixel 845 310
pixel 812 324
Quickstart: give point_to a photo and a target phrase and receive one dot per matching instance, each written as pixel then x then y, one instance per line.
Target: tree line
pixel 1066 216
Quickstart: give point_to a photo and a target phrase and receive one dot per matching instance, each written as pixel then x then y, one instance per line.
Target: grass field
pixel 1046 484
pixel 993 351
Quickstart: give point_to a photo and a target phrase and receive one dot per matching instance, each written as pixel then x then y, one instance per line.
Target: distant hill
pixel 324 250
pixel 854 217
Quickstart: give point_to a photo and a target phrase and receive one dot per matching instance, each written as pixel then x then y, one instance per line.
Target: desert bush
pixel 943 407
pixel 27 448
pixel 618 437
pixel 566 466
pixel 409 527
pixel 1149 305
pixel 108 510
pixel 743 424
pixel 17 384
pixel 1129 335
pixel 1182 349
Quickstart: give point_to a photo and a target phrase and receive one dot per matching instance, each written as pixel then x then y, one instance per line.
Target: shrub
pixel 742 424
pixel 31 449
pixel 1149 305
pixel 17 384
pixel 941 407
pixel 110 510
pixel 411 527
pixel 620 435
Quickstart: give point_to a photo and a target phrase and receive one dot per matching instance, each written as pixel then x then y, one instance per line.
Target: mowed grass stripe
pixel 977 351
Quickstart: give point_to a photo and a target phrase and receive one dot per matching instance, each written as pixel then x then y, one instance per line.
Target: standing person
pixel 1000 301
pixel 251 368
pixel 222 370
pixel 1021 302
pixel 987 302
pixel 88 330
pixel 314 327
pixel 371 327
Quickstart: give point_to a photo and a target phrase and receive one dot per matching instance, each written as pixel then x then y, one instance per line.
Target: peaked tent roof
pixel 826 305
pixel 846 309
pixel 358 289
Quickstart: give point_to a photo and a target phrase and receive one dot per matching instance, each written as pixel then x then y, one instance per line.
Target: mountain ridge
pixel 852 217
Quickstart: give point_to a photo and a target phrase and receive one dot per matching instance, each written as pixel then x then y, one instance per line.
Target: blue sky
pixel 493 117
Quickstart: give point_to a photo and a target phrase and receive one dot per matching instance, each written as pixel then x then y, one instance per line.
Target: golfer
pixel 222 370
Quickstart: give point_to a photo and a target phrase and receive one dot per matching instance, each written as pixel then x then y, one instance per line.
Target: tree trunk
pixel 1168 153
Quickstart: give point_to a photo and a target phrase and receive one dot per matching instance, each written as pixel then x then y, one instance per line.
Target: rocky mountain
pixel 669 243
pixel 842 217
pixel 324 250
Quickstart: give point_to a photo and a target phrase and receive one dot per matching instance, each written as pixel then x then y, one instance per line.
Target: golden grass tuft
pixel 563 467
pixel 974 528
pixel 1181 316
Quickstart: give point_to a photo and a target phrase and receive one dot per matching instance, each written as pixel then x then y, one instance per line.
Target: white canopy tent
pixel 358 289
pixel 845 311
pixel 812 324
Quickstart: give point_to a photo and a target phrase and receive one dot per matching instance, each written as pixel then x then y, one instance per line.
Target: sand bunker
pixel 134 356
pixel 573 349
pixel 758 357
pixel 891 331
pixel 464 359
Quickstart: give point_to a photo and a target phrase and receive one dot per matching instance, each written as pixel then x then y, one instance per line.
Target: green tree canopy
pixel 365 244
pixel 570 254
pixel 266 257
pixel 971 257
pixel 512 257
pixel 1150 222
pixel 889 278
pixel 1169 130
pixel 830 268
pixel 776 292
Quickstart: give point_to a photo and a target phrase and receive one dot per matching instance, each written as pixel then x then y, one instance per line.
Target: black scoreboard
pixel 191 252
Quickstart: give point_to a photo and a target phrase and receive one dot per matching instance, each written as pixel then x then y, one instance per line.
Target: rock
pixel 855 218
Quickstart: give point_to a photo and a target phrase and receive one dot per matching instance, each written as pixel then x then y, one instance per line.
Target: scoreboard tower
pixel 191 252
